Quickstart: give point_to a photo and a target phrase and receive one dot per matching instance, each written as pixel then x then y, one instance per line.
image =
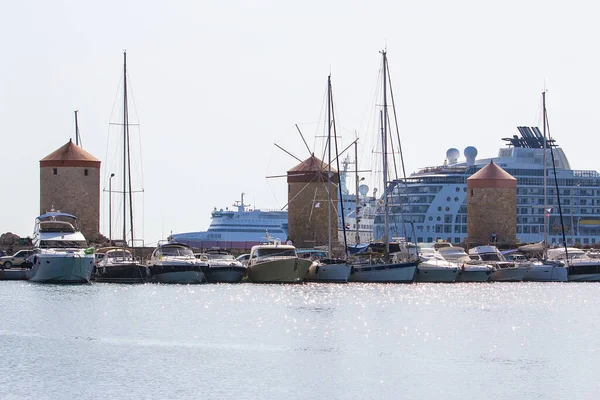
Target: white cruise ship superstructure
pixel 431 204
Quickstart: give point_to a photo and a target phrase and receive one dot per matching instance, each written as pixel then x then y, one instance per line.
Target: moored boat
pixel 222 266
pixel 60 254
pixel 117 265
pixel 504 271
pixel 434 268
pixel 175 263
pixel 581 267
pixel 273 262
pixel 329 270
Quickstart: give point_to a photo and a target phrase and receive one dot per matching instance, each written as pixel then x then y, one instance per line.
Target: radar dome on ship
pixel 452 155
pixel 470 154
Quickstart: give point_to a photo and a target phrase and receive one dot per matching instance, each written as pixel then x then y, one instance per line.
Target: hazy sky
pixel 216 84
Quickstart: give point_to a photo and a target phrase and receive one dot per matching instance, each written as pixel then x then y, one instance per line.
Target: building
pixel 70 182
pixel 311 201
pixel 492 206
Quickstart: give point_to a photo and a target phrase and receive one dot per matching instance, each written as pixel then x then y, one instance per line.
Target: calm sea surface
pixel 249 341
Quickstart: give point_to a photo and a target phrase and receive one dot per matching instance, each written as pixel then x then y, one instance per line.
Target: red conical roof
pixel 309 170
pixel 311 164
pixel 70 155
pixel 491 176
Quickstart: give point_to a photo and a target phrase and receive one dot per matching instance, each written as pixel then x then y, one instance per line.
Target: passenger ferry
pixel 241 228
pixel 431 204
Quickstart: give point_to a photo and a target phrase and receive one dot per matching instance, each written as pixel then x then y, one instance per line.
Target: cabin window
pixel 55 171
pixel 471 192
pixel 85 172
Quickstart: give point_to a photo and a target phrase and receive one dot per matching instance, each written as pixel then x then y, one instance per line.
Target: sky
pixel 216 84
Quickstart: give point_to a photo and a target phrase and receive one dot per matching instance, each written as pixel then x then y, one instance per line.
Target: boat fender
pixel 317 269
pixel 351 270
pixel 35 259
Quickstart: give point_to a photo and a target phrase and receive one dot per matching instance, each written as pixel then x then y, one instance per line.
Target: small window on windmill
pixel 85 172
pixel 55 171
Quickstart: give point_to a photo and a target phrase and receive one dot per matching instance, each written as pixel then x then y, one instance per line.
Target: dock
pixel 13 274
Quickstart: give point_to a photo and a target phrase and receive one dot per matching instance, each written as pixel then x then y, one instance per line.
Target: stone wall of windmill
pixel 492 207
pixel 308 204
pixel 70 182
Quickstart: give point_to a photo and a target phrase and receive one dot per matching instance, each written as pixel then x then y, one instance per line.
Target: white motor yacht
pixel 470 271
pixel 175 263
pixel 117 265
pixel 504 271
pixel 222 266
pixel 581 267
pixel 329 270
pixel 274 262
pixel 434 268
pixel 539 270
pixel 60 254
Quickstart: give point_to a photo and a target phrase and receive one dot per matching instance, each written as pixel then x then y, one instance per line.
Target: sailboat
pixel 330 269
pixel 118 264
pixel 546 270
pixel 401 265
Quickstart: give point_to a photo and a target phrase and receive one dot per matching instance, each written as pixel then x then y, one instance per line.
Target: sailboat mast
pixel 357 237
pixel 384 119
pixel 329 166
pixel 546 212
pixel 125 125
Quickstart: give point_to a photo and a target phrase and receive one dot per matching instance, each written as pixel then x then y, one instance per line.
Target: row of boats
pixel 61 255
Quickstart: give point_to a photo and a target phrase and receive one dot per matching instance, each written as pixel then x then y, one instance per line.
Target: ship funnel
pixel 452 156
pixel 470 154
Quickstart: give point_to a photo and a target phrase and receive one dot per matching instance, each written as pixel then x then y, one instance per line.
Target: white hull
pixel 546 273
pixel 584 278
pixel 396 273
pixel 62 268
pixel 431 273
pixel 515 274
pixel 339 272
pixel 474 275
pixel 283 270
pixel 225 274
pixel 180 277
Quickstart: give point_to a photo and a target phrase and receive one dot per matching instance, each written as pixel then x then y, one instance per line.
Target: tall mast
pixel 357 236
pixel 384 118
pixel 546 212
pixel 329 166
pixel 125 126
pixel 76 129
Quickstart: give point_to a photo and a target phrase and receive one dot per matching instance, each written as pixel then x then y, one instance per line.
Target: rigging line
pixel 562 225
pixel 300 191
pixel 140 173
pixel 341 200
pixel 313 206
pixel 412 225
pixel 110 119
pixel 322 110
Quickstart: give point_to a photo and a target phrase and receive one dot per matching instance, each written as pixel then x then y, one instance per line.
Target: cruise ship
pixel 431 204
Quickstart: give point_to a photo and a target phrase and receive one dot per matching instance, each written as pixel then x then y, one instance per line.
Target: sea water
pixel 250 341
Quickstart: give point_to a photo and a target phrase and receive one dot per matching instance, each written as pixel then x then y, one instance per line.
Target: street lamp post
pixel 110 208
